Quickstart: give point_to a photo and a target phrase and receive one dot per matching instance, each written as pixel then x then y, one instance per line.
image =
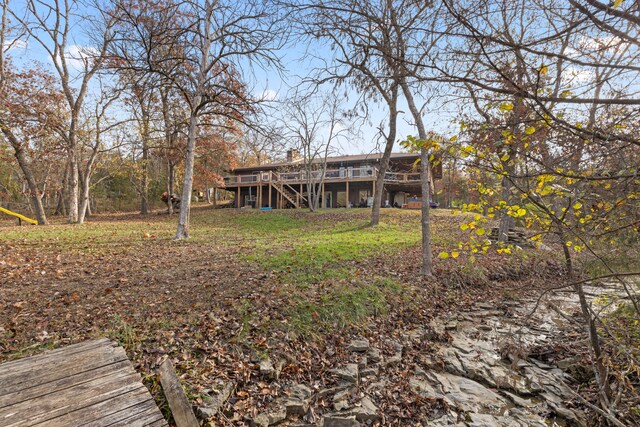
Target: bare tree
pixel 381 47
pixel 30 109
pixel 100 123
pixel 316 125
pixel 50 25
pixel 202 48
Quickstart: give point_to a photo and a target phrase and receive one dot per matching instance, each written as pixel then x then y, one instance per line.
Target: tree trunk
pixel 425 182
pixel 36 200
pixel 598 362
pixel 384 163
pixel 144 180
pixel 170 185
pixel 506 221
pixel 84 199
pixel 73 186
pixel 144 191
pixel 185 203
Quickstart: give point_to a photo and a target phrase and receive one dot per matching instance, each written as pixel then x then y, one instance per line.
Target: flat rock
pixel 294 406
pixel 341 405
pixel 369 372
pixel 271 418
pixel 339 421
pixel 366 412
pixel 451 326
pixel 457 391
pixel 333 390
pixel 300 391
pixel 212 404
pixel 373 355
pixel 267 369
pixel 359 345
pixel 349 373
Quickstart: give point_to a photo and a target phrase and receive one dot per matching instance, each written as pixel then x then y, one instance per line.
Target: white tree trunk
pixel 185 203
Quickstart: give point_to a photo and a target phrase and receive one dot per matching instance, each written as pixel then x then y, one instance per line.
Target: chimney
pixel 292 154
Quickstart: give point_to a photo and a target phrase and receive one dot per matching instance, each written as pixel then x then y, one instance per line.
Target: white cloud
pixel 78 57
pixel 601 43
pixel 573 75
pixel 269 95
pixel 10 45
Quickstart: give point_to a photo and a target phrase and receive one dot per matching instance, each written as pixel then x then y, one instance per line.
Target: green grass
pixel 341 306
pixel 306 251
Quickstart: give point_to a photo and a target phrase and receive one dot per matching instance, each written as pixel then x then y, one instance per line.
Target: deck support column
pixel 270 185
pixel 348 203
pixel 238 198
pixel 324 199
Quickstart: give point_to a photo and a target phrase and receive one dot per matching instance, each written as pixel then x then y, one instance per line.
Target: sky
pixel 268 84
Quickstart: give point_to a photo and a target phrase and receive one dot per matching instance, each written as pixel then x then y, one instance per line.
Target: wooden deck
pixel 88 384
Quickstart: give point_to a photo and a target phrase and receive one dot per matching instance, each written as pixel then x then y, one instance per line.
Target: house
pixel 349 181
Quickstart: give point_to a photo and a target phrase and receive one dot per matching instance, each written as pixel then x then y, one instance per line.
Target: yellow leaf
pixel 455 254
pixel 443 255
pixel 617 3
pixel 530 130
pixel 506 106
pixel 577 205
pixel 464 227
pixel 543 69
pixel 521 212
pixel 480 231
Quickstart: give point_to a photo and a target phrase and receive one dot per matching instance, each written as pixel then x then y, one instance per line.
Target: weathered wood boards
pixel 178 402
pixel 91 383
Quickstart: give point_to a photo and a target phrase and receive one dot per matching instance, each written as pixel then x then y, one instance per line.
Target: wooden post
pixel 238 198
pixel 270 185
pixel 347 193
pixel 178 402
pixel 259 190
pixel 324 200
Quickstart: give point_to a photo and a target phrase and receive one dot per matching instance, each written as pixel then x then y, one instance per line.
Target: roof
pixel 353 158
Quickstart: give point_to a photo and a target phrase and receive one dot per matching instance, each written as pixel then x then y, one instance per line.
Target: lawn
pixel 246 285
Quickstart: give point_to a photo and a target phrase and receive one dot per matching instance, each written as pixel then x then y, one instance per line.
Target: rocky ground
pixel 481 374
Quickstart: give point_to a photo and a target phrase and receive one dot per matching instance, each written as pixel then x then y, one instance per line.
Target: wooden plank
pixel 41 409
pixel 32 390
pixel 30 361
pixel 60 367
pixel 105 412
pixel 90 383
pixel 150 417
pixel 159 423
pixel 178 402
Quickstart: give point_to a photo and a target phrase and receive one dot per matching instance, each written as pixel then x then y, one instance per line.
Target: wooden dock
pixel 88 384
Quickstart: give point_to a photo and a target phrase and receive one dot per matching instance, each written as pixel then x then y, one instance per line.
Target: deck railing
pixel 330 175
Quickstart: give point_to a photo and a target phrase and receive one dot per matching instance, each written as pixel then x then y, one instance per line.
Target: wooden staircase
pixel 288 192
